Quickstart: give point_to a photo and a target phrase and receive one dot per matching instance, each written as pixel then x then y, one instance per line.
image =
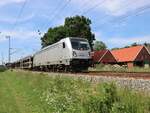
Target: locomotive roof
pixel 60 42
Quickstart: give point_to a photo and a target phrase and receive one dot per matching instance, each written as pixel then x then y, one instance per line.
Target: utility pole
pixel 9 50
pixel 2 58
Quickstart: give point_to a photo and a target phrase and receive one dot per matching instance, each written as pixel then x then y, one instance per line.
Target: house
pixel 132 56
pixel 148 48
pixel 103 56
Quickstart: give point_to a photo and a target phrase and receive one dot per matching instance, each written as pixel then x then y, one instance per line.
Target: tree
pixel 78 26
pixel 99 45
pixel 53 35
pixel 134 44
pixel 146 44
pixel 115 48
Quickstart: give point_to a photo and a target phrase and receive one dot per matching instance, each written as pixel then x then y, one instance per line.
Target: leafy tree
pixel 146 44
pixel 115 48
pixel 99 45
pixel 134 44
pixel 53 35
pixel 78 26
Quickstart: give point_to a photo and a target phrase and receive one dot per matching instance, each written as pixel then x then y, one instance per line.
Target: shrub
pixel 2 68
pixel 102 103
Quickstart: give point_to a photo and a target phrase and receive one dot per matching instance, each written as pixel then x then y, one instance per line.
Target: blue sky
pixel 116 22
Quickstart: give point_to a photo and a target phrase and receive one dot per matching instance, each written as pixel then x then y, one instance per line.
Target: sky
pixel 115 22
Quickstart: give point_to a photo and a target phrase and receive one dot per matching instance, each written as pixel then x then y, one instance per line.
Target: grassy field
pixel 23 92
pixel 117 68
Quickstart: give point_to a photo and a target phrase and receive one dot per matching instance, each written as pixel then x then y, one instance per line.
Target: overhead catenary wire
pixel 83 5
pixel 14 26
pixel 103 18
pixel 65 5
pixel 52 12
pixel 93 7
pixel 19 15
pixel 97 5
pixel 56 14
pixel 136 13
pixel 125 16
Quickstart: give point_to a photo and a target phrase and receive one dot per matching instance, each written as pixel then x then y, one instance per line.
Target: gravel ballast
pixel 131 83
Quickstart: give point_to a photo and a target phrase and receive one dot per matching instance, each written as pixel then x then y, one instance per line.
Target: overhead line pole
pixel 13 27
pixel 2 58
pixel 9 49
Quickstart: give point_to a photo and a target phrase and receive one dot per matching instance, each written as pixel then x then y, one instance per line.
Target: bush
pixel 102 103
pixel 2 68
pixel 118 68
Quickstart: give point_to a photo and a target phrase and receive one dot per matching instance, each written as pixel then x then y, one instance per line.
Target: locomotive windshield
pixel 80 44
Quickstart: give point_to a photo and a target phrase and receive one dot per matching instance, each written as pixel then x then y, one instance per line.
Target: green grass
pixel 23 92
pixel 117 68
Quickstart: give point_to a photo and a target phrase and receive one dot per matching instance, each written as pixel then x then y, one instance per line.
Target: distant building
pixel 103 56
pixel 148 48
pixel 132 56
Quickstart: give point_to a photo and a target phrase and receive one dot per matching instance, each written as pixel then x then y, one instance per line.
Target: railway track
pixel 135 75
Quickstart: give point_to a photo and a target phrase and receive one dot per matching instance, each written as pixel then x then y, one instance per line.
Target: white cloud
pixel 121 7
pixel 112 7
pixel 128 40
pixel 24 42
pixel 121 41
pixel 19 34
pixel 13 20
pixel 5 2
pixel 98 35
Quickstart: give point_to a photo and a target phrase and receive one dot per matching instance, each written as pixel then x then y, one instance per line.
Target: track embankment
pixel 135 75
pixel 135 81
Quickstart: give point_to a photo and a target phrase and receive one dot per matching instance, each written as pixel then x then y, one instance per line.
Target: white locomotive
pixel 69 54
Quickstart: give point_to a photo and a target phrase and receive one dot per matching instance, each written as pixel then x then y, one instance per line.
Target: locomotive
pixel 68 54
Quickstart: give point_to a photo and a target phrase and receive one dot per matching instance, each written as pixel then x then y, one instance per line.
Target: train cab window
pixel 80 44
pixel 64 45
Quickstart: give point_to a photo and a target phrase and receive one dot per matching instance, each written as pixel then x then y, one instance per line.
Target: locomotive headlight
pixel 89 53
pixel 74 54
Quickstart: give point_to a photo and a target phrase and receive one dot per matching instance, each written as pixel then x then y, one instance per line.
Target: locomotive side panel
pixel 55 54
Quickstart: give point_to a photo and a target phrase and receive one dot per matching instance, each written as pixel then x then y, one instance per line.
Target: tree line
pixel 77 26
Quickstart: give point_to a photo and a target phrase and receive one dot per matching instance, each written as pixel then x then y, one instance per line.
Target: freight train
pixel 69 54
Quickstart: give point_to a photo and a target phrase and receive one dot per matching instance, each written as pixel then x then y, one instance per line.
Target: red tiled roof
pixel 126 54
pixel 97 55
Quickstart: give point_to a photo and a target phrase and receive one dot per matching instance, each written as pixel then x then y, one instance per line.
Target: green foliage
pixel 53 35
pixel 2 68
pixel 103 102
pixel 78 26
pixel 135 44
pixel 24 92
pixel 118 68
pixel 99 45
pixel 116 48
